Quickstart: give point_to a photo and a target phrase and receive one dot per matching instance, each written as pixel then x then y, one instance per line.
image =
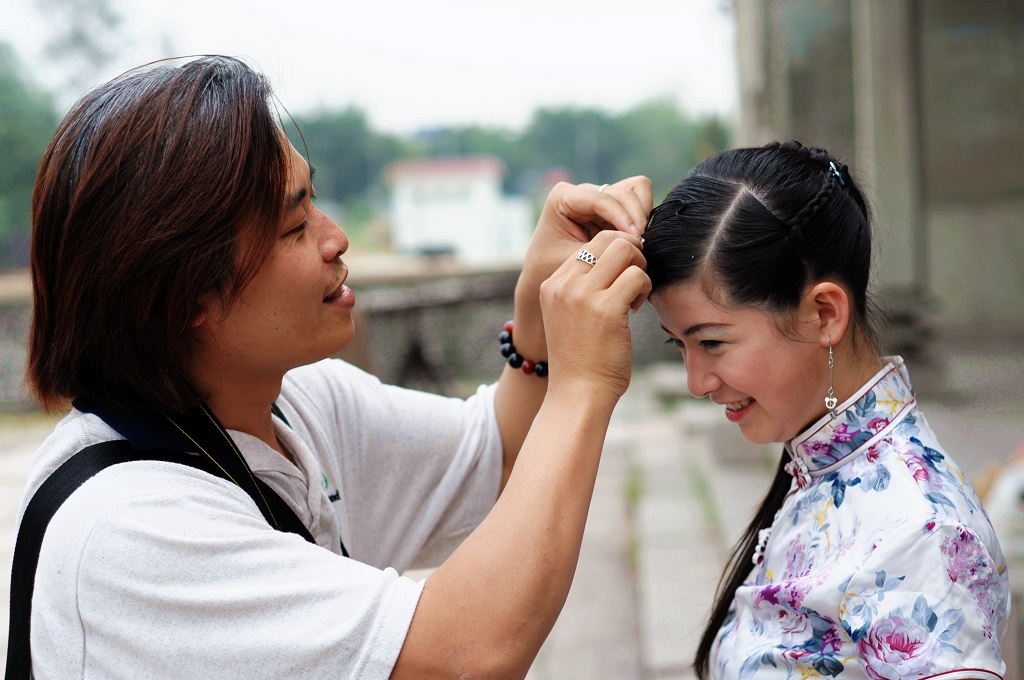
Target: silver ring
pixel 602 188
pixel 586 256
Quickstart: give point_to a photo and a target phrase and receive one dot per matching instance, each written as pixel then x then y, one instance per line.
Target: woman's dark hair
pixel 161 190
pixel 755 227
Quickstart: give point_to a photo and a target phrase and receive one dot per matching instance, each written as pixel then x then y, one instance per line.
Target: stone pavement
pixel 657 537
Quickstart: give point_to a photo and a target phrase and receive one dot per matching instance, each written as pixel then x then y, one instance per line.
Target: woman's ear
pixel 831 306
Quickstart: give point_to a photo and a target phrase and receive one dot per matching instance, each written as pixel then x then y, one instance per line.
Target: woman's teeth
pixel 737 405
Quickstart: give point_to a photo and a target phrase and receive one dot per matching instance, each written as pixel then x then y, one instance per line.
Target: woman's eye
pixel 676 342
pixel 711 344
pixel 298 229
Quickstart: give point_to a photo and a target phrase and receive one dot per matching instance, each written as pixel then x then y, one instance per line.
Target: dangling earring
pixel 830 400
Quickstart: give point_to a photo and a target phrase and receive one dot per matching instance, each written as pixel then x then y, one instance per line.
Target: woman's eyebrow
pixel 696 328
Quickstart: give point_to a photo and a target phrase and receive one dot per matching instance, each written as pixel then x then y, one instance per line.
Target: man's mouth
pixel 335 293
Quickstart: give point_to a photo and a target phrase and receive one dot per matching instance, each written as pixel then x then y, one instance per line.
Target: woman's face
pixel 295 310
pixel 771 385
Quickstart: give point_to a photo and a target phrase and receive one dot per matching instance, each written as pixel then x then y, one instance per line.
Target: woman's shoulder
pixel 913 456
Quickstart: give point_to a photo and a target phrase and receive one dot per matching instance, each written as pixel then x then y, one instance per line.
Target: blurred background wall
pixel 924 99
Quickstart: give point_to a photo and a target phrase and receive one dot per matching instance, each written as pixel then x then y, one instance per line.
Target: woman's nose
pixel 699 380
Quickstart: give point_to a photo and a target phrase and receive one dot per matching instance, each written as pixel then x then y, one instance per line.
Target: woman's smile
pixel 736 411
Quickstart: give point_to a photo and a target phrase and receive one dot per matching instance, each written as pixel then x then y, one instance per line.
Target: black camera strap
pixel 195 439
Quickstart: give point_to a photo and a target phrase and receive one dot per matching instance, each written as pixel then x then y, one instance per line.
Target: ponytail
pixel 738 568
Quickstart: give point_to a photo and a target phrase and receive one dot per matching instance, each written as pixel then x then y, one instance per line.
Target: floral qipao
pixel 881 562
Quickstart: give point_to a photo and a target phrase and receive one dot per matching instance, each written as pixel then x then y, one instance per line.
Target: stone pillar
pixel 750 62
pixel 887 141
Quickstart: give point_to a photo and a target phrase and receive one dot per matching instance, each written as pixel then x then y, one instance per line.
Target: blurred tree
pixel 665 144
pixel 655 139
pixel 348 155
pixel 27 120
pixel 661 144
pixel 467 141
pixel 83 39
pixel 587 142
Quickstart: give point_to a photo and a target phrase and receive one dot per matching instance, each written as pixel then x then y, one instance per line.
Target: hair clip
pixel 668 201
pixel 838 174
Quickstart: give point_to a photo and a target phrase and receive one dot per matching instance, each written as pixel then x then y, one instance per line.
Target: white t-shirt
pixel 157 570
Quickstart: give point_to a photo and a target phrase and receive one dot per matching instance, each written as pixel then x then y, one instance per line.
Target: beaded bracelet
pixel 515 360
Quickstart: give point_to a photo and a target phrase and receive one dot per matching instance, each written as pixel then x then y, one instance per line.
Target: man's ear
pixel 199 318
pixel 831 305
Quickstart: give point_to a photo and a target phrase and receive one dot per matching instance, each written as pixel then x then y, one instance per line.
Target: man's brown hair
pixel 160 190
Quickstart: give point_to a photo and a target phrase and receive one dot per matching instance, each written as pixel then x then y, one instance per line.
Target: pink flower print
pixel 831 642
pixel 783 621
pixel 964 557
pixel 770 594
pixel 842 433
pixel 818 448
pixel 896 648
pixel 796 559
pixel 792 623
pixel 873 454
pixel 780 594
pixel 968 564
pixel 878 424
pixel 919 468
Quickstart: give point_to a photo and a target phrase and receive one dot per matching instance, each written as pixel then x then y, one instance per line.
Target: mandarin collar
pixel 863 419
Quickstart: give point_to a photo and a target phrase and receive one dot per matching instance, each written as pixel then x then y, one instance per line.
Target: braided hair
pixel 754 227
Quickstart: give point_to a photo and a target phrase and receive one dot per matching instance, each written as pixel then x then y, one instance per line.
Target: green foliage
pixel 586 142
pixel 27 120
pixel 654 139
pixel 349 157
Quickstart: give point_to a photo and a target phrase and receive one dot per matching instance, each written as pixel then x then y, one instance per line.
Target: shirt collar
pixel 862 420
pixel 147 431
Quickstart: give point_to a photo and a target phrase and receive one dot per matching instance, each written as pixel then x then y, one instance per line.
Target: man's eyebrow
pixel 696 328
pixel 303 192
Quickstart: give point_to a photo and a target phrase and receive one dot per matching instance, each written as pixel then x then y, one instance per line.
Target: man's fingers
pixel 622 206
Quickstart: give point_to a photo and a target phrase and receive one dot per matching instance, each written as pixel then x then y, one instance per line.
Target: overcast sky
pixel 417 63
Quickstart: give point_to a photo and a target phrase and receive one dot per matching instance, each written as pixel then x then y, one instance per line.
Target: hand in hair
pixel 572 216
pixel 585 313
pixel 486 610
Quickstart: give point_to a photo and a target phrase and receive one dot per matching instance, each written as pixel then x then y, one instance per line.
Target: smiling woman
pixel 870 554
pixel 234 502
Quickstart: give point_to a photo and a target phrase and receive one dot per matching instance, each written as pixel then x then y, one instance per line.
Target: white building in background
pixel 456 205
